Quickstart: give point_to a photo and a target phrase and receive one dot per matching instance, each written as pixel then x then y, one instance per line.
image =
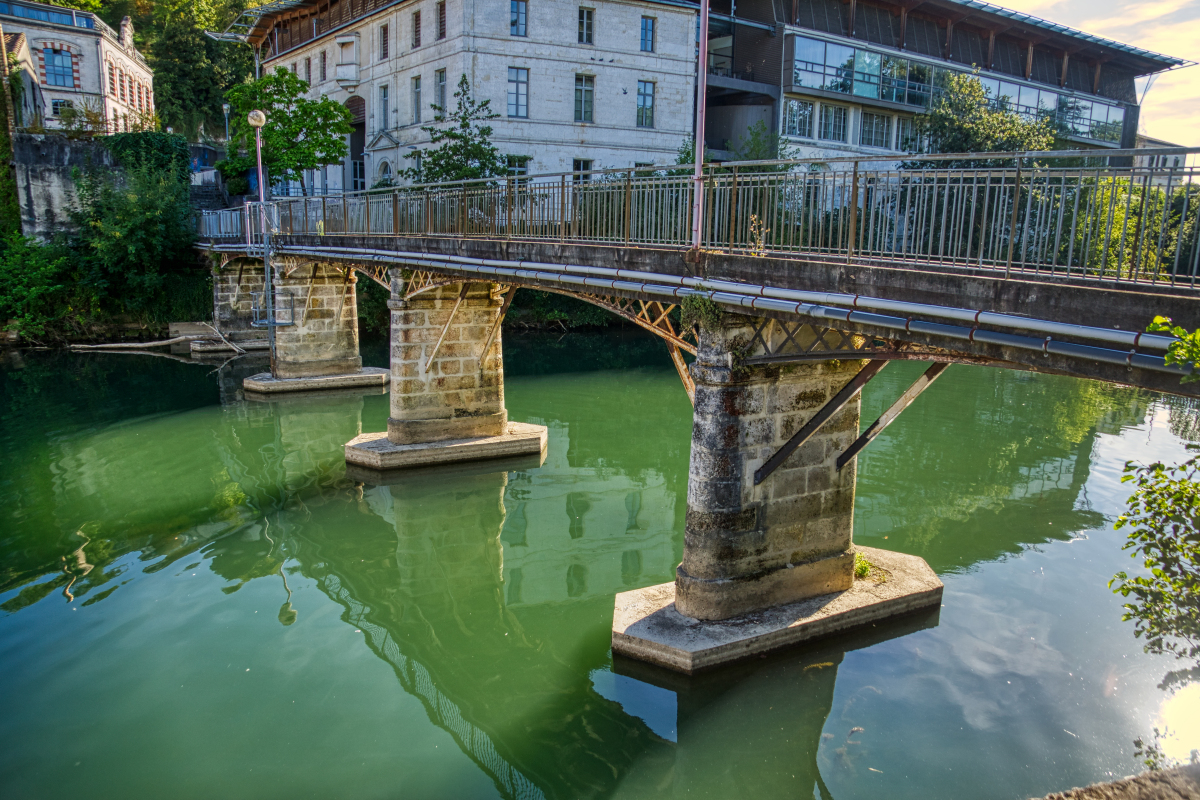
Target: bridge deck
pixel 1053 269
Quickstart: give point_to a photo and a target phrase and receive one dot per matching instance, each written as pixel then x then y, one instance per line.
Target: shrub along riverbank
pixel 127 268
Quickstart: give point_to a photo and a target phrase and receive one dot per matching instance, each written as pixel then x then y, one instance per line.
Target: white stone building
pixel 83 63
pixel 578 84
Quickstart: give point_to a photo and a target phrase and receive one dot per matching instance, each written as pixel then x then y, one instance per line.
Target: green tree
pixel 761 143
pixel 1186 351
pixel 134 230
pixel 33 284
pixel 300 134
pixel 963 119
pixel 464 148
pixel 1164 520
pixel 190 77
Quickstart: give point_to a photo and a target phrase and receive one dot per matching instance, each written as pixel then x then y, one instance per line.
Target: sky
pixel 1172 27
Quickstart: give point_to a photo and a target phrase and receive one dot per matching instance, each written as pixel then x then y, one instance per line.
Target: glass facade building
pixel 863 72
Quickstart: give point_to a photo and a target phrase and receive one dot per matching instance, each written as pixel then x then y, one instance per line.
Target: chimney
pixel 127 32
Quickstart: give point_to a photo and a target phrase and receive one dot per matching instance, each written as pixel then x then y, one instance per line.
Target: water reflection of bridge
pixel 425 569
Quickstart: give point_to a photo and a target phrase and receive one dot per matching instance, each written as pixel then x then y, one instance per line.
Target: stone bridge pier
pixel 447 383
pixel 771 563
pixel 316 331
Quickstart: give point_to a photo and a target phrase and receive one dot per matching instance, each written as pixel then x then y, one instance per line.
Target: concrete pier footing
pixel 376 451
pixel 648 626
pixel 365 378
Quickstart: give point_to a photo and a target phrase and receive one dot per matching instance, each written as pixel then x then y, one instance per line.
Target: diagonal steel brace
pixel 835 405
pixel 461 296
pixel 921 384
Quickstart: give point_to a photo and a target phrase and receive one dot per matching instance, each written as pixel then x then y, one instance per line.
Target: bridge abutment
pixel 766 565
pixel 447 384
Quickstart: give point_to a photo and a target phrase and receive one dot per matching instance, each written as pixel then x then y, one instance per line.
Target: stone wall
pixel 324 337
pixel 750 547
pixel 458 395
pixel 44 165
pixel 234 284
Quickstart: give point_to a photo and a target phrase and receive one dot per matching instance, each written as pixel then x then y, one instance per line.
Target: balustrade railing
pixel 1044 214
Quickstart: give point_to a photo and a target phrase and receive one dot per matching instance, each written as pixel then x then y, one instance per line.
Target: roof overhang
pixel 251 25
pixel 1036 30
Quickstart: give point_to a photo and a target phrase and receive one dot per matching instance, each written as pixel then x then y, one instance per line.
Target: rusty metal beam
pixel 888 417
pixel 461 296
pixel 508 298
pixel 689 385
pixel 835 405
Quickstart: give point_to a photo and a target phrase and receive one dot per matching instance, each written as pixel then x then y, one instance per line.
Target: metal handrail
pixel 1125 223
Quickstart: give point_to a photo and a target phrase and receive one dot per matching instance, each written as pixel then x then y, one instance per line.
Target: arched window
pixel 112 80
pixel 121 80
pixel 385 171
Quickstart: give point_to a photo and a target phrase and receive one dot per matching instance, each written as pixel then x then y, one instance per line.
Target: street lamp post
pixel 225 108
pixel 257 119
pixel 701 104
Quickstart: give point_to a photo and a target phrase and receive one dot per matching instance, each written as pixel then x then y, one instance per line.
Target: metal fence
pixel 1056 214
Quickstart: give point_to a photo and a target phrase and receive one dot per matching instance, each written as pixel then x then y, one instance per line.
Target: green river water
pixel 199 601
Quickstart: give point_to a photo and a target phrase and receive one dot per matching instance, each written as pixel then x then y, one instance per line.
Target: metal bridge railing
pixel 1032 214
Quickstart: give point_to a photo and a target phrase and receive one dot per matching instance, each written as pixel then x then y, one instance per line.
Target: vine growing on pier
pixel 697 309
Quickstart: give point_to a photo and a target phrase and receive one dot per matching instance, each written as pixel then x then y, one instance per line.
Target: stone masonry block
pixel 741 418
pixel 790 398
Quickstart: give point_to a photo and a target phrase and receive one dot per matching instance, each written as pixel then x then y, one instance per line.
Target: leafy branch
pixel 1186 351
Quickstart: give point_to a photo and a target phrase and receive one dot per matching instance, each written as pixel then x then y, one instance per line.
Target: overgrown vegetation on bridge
pixel 130 260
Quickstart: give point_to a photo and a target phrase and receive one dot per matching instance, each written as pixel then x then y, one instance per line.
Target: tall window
pixel 439 91
pixel 586 18
pixel 307 71
pixel 416 98
pixel 833 123
pixel 799 118
pixel 585 95
pixel 875 130
pixel 416 29
pixel 383 42
pixel 645 104
pixel 323 73
pixel 647 34
pixel 516 19
pixel 112 80
pixel 910 140
pixel 120 81
pixel 518 92
pixel 383 108
pixel 441 20
pixel 58 69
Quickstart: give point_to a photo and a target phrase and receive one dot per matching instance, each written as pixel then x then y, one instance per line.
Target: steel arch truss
pixel 652 315
pixel 777 341
pixel 423 281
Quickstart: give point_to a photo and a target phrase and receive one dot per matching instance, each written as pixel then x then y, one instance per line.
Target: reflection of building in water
pixel 523 687
pixel 574 532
